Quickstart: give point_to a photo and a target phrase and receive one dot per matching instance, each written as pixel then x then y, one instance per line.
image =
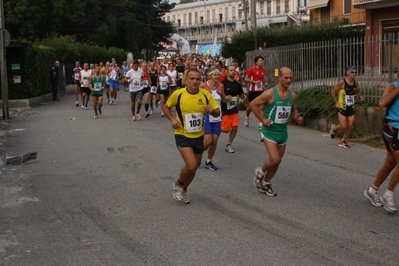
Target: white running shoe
pixel 151 112
pixel 229 149
pixel 260 126
pixel 389 203
pixel 246 122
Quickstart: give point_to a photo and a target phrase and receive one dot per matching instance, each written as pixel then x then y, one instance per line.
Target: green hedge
pixel 241 42
pixel 68 50
pixel 35 62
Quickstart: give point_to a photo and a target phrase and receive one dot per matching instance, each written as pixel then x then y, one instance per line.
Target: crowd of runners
pixel 205 93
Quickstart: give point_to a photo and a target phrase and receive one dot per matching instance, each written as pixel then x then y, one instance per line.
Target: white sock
pixel 264 183
pixel 372 190
pixel 261 172
pixel 388 193
pixel 208 161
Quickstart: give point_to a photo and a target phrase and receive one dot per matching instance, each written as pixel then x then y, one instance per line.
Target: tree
pixel 127 24
pixel 186 1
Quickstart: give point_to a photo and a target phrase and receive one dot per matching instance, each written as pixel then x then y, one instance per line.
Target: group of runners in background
pixel 218 88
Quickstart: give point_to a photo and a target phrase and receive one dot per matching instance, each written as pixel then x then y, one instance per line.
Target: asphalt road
pixel 100 193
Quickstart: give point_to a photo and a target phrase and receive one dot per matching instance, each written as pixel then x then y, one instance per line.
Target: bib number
pixel 259 86
pixel 194 122
pixel 153 90
pixel 85 82
pixel 77 76
pixel 164 86
pixel 97 86
pixel 113 75
pixel 136 83
pixel 145 83
pixel 232 103
pixel 350 100
pixel 282 114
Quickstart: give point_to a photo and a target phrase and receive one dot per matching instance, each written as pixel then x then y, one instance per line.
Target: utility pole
pixel 3 63
pixel 253 21
pixel 244 4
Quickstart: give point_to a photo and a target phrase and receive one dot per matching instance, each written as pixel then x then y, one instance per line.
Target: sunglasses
pixel 353 72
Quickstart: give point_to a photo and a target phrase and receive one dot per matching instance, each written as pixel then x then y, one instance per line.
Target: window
pixel 226 13
pixel 269 7
pixel 278 7
pixel 189 19
pixel 347 6
pixel 168 18
pixel 287 6
pixel 178 23
pixel 174 18
pixel 184 20
pixel 220 17
pixel 261 4
pixel 213 15
pixel 202 20
pixel 233 12
pixel 207 17
pixel 196 17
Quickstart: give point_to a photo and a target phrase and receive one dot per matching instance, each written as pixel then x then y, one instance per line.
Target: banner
pixel 207 49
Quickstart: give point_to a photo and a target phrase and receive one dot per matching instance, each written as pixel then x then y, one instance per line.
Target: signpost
pixel 4 42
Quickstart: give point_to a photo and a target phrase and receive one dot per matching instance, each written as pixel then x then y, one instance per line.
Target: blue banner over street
pixel 209 50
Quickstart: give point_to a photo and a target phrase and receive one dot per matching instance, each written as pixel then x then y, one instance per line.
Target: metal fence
pixel 324 63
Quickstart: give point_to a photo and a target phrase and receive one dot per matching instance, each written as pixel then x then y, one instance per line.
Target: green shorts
pixel 280 138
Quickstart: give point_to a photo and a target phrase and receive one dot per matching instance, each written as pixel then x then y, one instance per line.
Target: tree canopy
pixel 127 24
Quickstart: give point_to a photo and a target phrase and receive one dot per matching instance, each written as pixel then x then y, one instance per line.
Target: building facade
pixel 335 11
pixel 201 22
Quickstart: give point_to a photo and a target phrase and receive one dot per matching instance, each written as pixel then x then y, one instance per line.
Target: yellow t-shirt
pixel 190 112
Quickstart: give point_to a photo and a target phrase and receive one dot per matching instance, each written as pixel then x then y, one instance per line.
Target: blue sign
pixel 207 49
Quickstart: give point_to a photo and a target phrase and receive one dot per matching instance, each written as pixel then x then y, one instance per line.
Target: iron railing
pixel 324 63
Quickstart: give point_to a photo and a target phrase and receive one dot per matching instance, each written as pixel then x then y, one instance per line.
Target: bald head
pixel 284 71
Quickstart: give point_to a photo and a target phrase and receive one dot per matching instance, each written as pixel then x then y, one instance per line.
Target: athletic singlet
pixel 105 72
pixel 97 84
pixel 190 112
pixel 392 110
pixel 346 96
pixel 76 72
pixel 217 95
pixel 278 112
pixel 146 79
pixel 173 76
pixel 125 69
pixel 223 75
pixel 85 77
pixel 163 82
pixel 154 78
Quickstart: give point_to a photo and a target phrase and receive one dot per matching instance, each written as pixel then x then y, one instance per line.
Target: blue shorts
pixel 114 84
pixel 106 86
pixel 212 128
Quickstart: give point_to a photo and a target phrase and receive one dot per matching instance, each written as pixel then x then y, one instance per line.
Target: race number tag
pixel 153 90
pixel 259 86
pixel 350 100
pixel 145 83
pixel 97 86
pixel 180 74
pixel 85 82
pixel 194 122
pixel 164 86
pixel 136 83
pixel 282 114
pixel 231 104
pixel 113 75
pixel 77 76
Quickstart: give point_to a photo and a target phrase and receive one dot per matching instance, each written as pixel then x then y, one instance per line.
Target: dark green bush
pixel 35 62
